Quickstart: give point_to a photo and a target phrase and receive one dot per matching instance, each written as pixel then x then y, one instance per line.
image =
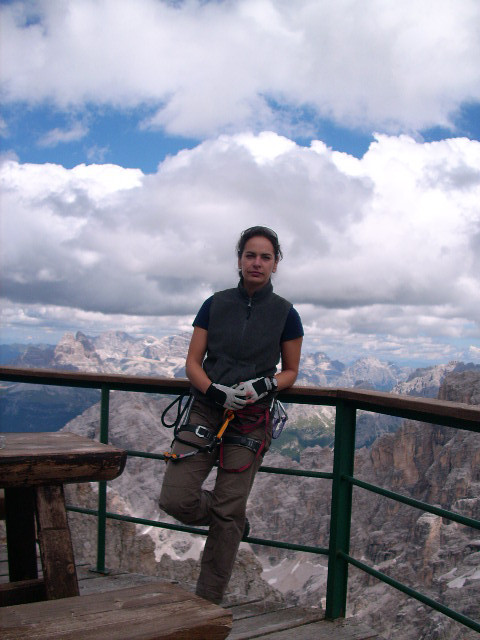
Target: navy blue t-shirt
pixel 293 325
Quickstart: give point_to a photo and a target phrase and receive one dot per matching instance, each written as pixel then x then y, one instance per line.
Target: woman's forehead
pixel 259 244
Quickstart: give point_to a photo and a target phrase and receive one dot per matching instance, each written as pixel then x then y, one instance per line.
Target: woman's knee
pixel 179 503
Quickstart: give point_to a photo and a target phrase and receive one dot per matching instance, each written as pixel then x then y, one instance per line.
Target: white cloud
pixel 97 154
pixel 48 323
pixel 3 128
pixel 206 67
pixel 378 252
pixel 57 136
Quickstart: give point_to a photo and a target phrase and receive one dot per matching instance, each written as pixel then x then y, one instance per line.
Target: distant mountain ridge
pixel 37 408
pixel 119 352
pixel 12 354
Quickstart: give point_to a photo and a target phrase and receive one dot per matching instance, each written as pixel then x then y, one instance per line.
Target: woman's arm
pixel 195 356
pixel 291 350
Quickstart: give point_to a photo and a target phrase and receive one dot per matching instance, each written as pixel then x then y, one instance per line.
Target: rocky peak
pixel 371 371
pixel 461 386
pixel 76 352
pixel 425 382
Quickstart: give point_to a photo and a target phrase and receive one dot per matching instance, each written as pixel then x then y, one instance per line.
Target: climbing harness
pixel 201 432
pixel 247 420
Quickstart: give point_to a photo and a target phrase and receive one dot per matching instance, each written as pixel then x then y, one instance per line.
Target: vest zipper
pixel 245 322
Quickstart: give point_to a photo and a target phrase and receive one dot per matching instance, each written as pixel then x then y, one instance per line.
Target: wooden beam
pixel 21 592
pixel 56 548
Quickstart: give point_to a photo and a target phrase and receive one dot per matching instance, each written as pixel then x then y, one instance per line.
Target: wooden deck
pixel 251 618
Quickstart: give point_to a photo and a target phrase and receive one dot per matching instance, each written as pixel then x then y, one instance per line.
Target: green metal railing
pixel 347 402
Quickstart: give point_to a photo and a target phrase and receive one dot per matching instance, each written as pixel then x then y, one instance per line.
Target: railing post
pixel 341 510
pixel 102 485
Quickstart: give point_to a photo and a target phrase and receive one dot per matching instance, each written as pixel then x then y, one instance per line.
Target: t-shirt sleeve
pixel 203 316
pixel 293 326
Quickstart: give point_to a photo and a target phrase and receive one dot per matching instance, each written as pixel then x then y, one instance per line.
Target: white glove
pixel 227 396
pixel 257 388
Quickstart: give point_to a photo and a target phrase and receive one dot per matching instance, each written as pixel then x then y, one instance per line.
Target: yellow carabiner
pixel 228 419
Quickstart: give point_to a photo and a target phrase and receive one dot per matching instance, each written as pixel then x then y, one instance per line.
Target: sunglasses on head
pixel 260 229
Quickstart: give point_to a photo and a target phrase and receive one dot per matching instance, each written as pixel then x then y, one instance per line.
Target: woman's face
pixel 257 263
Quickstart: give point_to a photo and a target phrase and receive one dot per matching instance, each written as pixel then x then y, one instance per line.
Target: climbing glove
pixel 227 396
pixel 257 388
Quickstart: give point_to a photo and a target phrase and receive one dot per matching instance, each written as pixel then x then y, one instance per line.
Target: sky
pixel 139 137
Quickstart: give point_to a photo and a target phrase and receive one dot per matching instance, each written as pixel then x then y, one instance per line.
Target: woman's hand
pixel 257 388
pixel 228 397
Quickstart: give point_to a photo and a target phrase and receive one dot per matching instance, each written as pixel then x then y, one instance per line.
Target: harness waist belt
pixel 204 432
pixel 243 441
pixel 199 430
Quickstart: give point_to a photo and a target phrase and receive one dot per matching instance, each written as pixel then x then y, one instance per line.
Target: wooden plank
pixel 20 523
pixel 112 583
pixel 326 630
pixel 55 541
pixel 23 591
pixel 255 608
pixel 148 612
pixel 256 626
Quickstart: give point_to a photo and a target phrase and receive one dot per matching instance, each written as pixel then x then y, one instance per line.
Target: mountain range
pixel 48 408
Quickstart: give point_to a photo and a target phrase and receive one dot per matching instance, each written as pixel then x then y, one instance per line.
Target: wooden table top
pixel 30 459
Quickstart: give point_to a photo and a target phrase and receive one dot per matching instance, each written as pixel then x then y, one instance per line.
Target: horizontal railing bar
pixel 134 520
pixel 424 506
pixel 434 417
pixel 203 532
pixel 145 454
pixel 115 382
pixel 279 470
pixel 425 409
pixel 325 475
pixel 458 617
pixel 415 408
pixel 288 545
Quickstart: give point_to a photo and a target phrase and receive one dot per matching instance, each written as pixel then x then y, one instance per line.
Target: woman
pixel 238 339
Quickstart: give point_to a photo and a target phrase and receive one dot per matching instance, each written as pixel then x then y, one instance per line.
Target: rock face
pixel 118 352
pixel 425 382
pixel 462 386
pixel 426 552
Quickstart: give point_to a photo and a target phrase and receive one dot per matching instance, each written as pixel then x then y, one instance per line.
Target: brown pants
pixel 223 508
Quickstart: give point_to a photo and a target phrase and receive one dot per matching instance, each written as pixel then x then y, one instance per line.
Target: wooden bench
pixel 151 611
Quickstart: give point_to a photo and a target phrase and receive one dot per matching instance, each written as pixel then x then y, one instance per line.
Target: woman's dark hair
pixel 251 232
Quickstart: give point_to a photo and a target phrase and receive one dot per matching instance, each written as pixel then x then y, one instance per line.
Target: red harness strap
pixel 263 414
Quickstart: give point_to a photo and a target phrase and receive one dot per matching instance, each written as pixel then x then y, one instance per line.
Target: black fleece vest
pixel 244 334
